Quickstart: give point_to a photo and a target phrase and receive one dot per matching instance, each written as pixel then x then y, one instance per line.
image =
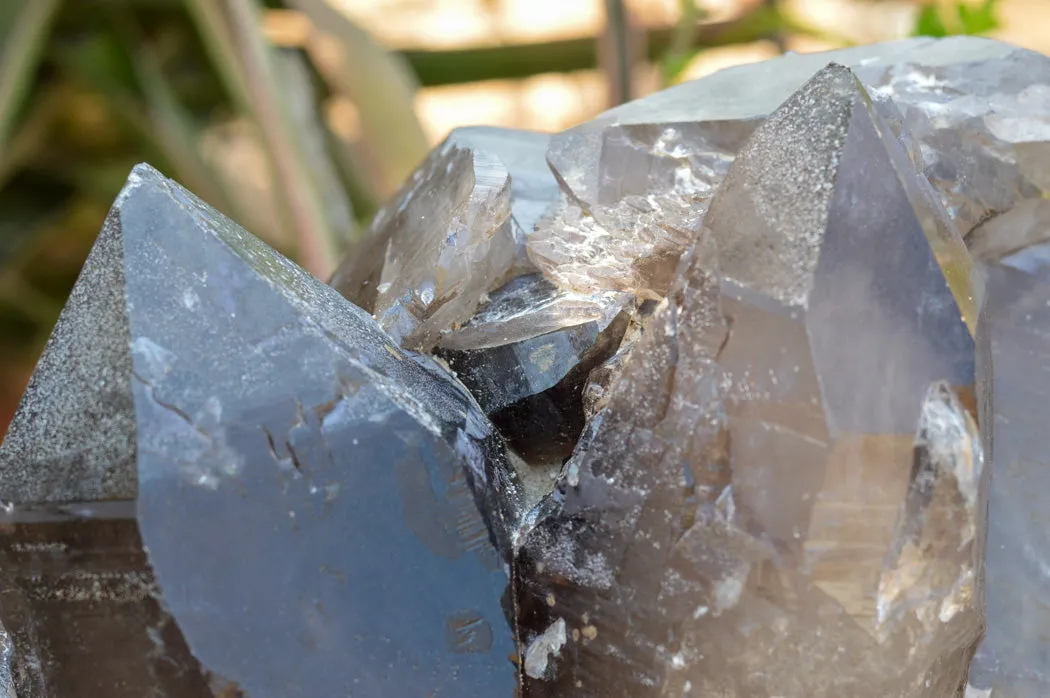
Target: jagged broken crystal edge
pixel 913 72
pixel 455 231
pixel 637 179
pixel 526 356
pixel 591 550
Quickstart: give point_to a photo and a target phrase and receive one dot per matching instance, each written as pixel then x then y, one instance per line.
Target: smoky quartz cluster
pixel 733 392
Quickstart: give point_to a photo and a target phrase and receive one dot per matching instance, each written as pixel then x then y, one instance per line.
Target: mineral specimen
pixel 1013 350
pixel 323 513
pixel 637 178
pixel 734 318
pixel 526 355
pixel 454 232
pixel 753 513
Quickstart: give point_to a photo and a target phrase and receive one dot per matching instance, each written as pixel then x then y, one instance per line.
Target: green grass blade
pixel 23 41
pixel 381 85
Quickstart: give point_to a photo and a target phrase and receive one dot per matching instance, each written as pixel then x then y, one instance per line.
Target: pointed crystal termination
pixel 972 109
pixel 1013 354
pixel 526 355
pixel 324 513
pixel 455 231
pixel 303 486
pixel 751 513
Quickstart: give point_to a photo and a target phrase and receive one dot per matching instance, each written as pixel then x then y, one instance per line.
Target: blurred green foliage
pixel 940 19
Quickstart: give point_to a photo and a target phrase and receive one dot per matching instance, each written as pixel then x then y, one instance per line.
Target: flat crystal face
pixel 1012 354
pixel 783 474
pixel 310 506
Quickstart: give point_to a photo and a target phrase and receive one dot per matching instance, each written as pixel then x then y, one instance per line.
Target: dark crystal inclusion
pixel 531 386
pixel 324 513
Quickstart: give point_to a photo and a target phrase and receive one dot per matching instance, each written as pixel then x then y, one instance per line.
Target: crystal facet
pixel 324 514
pixel 454 232
pixel 638 177
pixel 1013 354
pixel 772 466
pixel 526 355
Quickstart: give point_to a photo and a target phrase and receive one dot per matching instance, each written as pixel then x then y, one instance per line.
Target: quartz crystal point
pixel 637 178
pixel 455 231
pixel 781 496
pixel 526 355
pixel 1013 354
pixel 324 514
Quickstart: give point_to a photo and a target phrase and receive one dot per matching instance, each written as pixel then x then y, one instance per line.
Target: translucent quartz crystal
pixel 455 231
pixel 1013 354
pixel 637 178
pixel 324 514
pixel 782 496
pixel 533 188
pixel 526 355
pixel 79 601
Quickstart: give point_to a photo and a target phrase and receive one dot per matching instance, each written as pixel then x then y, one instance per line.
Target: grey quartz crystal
pixel 782 495
pixel 637 179
pixel 526 356
pixel 320 512
pixel 455 231
pixel 1013 351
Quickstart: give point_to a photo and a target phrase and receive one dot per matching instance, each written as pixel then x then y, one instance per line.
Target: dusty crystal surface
pixel 526 356
pixel 782 494
pixel 455 231
pixel 637 179
pixel 1013 353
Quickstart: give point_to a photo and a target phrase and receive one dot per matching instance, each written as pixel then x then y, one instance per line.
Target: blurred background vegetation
pixel 299 117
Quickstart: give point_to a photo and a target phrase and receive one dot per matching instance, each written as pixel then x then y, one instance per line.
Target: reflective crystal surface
pixel 526 355
pixel 782 495
pixel 1013 353
pixel 455 231
pixel 324 514
pixel 637 178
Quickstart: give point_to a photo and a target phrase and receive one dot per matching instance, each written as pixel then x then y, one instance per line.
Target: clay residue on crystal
pixel 1013 357
pixel 526 355
pixel 726 519
pixel 654 183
